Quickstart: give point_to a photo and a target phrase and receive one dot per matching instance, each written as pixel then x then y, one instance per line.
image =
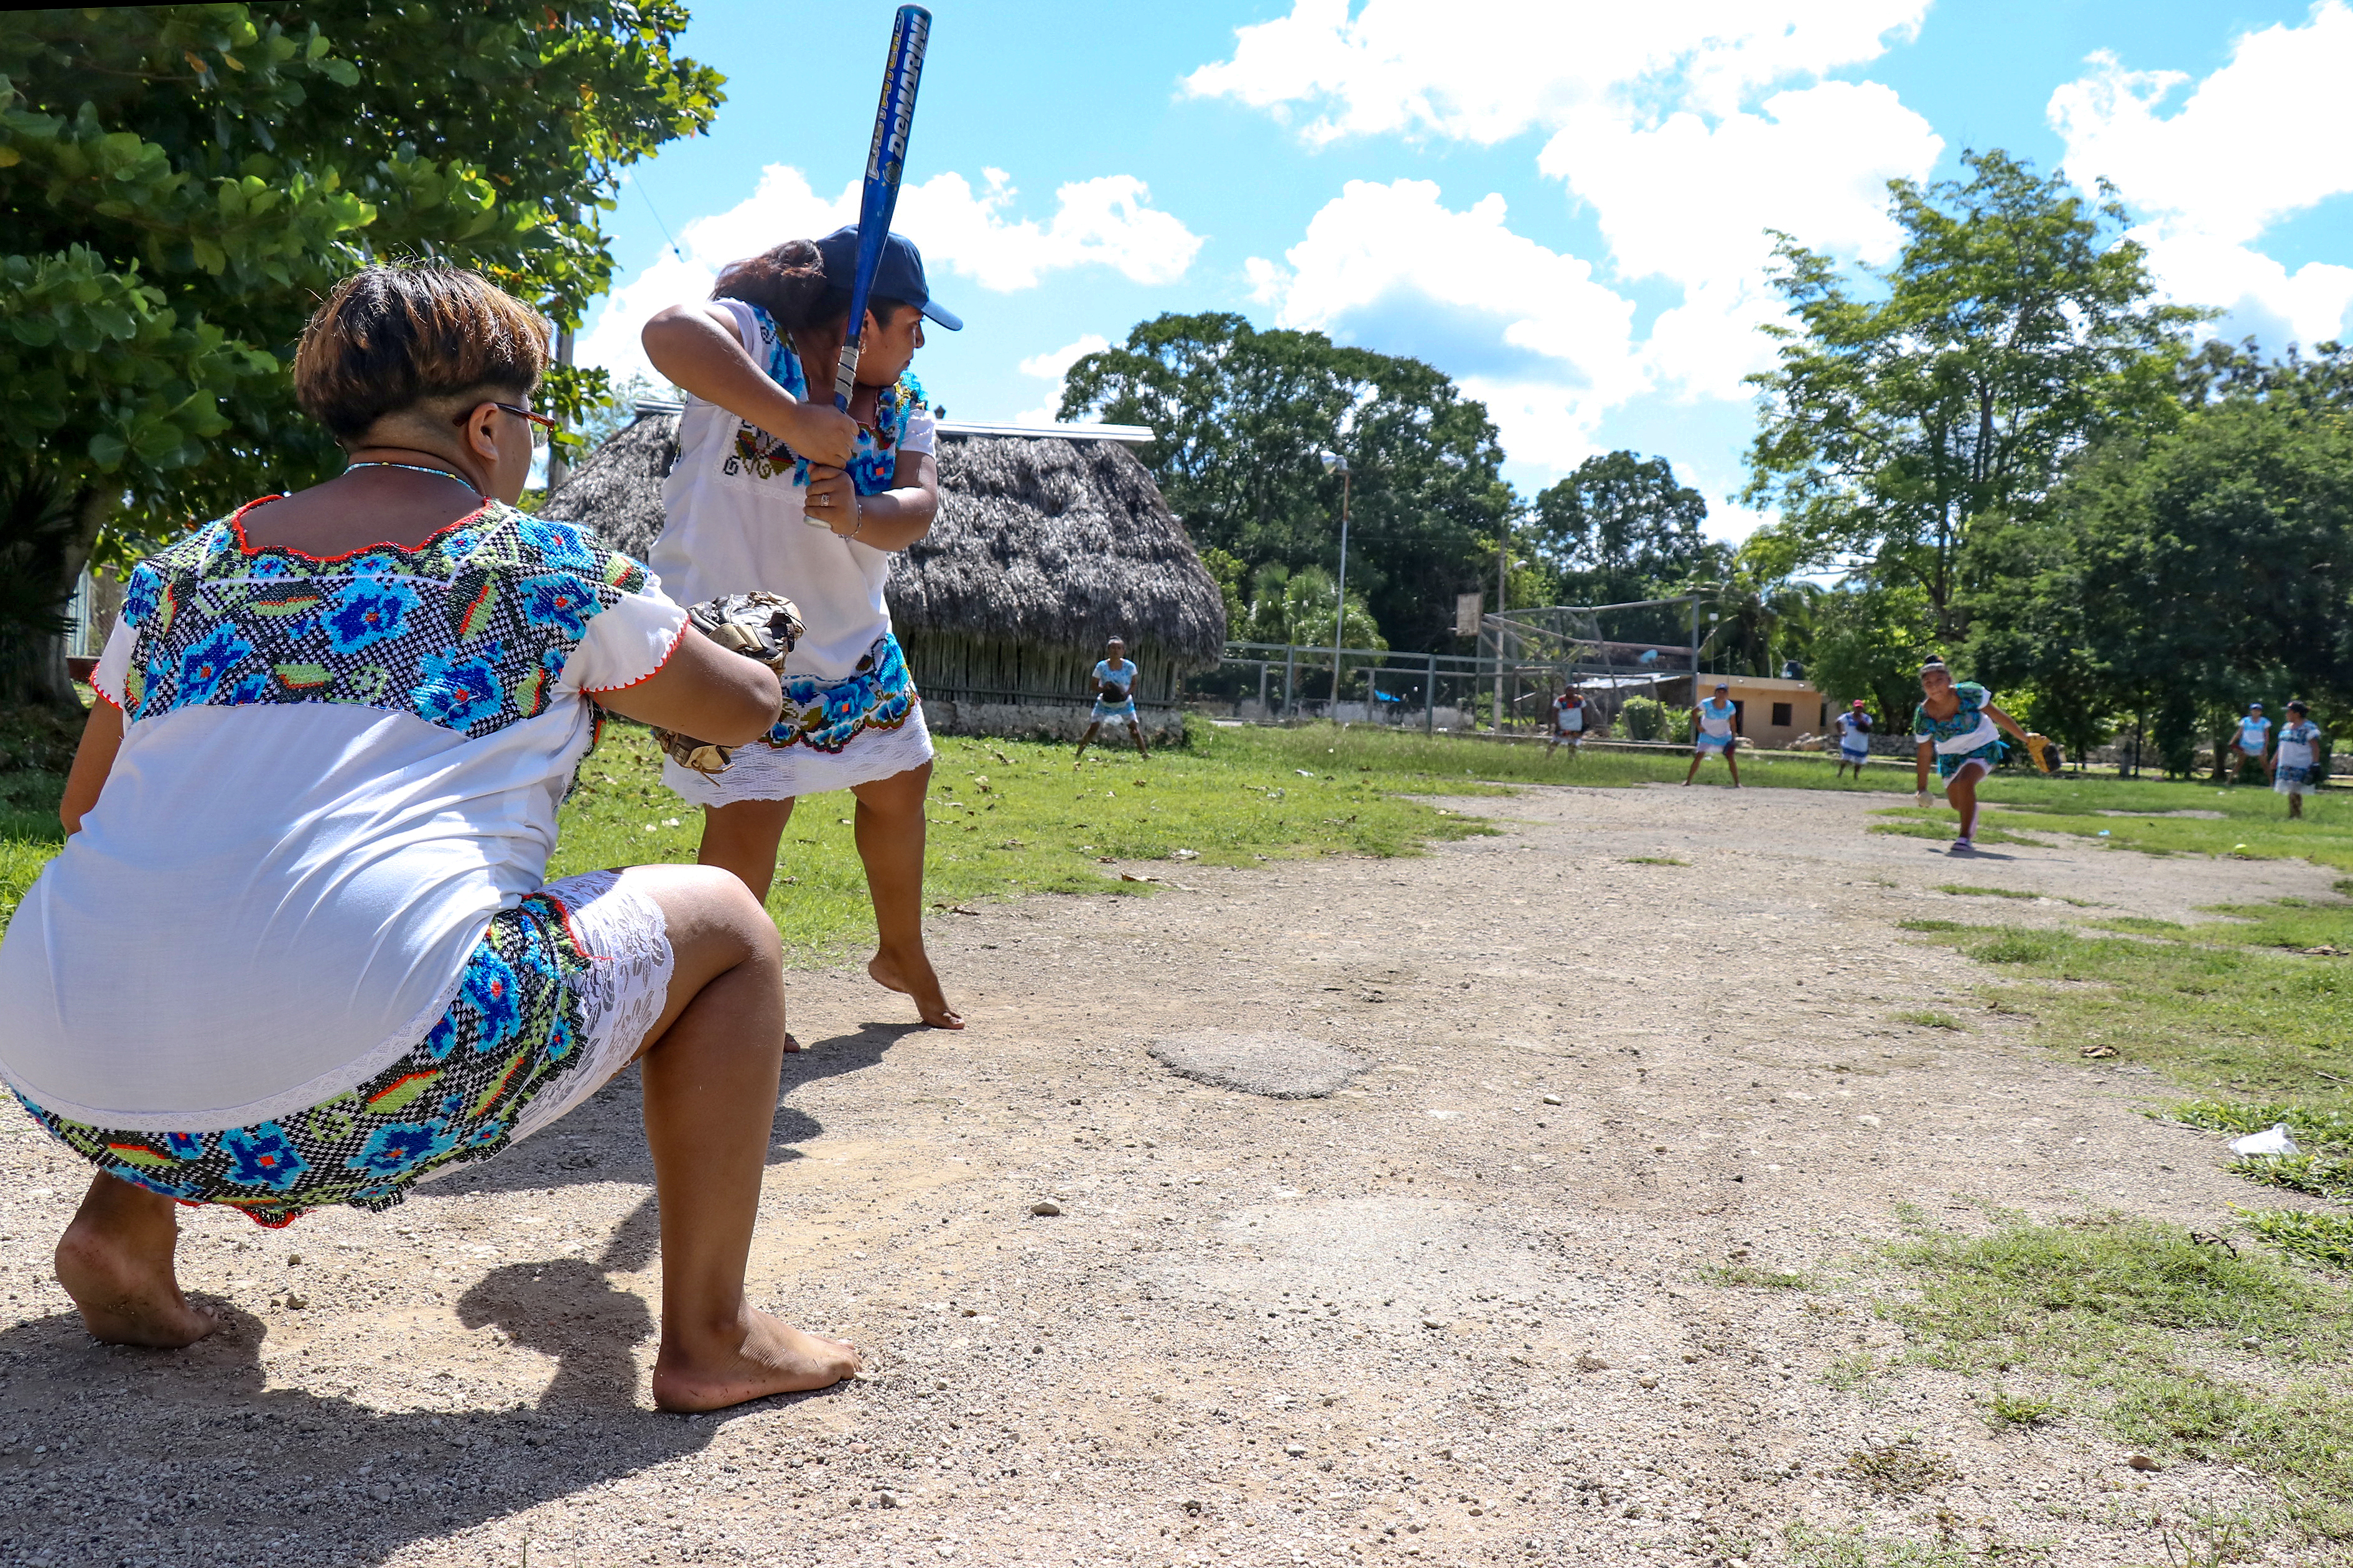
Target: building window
pixel 1781 715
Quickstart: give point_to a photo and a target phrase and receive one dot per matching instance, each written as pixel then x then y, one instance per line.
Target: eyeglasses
pixel 542 425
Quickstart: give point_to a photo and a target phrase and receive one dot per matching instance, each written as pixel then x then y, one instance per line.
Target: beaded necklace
pixel 413 469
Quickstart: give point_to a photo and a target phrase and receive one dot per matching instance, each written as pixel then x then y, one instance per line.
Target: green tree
pixel 181 184
pixel 1870 641
pixel 1240 415
pixel 2182 574
pixel 1913 409
pixel 1622 529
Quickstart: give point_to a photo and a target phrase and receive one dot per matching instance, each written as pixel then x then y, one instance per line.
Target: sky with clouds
pixel 1562 205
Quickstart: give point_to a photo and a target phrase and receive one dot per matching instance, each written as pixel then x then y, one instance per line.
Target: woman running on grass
pixel 1958 725
pixel 298 949
pixel 774 489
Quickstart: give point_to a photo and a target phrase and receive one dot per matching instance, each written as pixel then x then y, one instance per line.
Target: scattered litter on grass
pixel 2274 1140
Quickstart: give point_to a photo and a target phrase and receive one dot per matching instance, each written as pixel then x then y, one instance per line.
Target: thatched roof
pixel 1040 540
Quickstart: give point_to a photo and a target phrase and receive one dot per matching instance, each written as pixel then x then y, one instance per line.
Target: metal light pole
pixel 1503 578
pixel 1335 463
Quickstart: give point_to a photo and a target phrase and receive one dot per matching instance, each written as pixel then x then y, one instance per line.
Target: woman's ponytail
pixel 788 283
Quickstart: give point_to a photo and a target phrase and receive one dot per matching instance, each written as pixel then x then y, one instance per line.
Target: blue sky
pixel 1561 205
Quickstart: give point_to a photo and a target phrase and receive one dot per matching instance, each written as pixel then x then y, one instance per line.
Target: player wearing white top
pixel 1854 739
pixel 1713 722
pixel 1114 679
pixel 774 489
pixel 2249 743
pixel 296 949
pixel 2294 766
pixel 1569 715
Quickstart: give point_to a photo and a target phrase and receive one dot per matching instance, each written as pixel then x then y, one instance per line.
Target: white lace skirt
pixel 626 939
pixel 764 771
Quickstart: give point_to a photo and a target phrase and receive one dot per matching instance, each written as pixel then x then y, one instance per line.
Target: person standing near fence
pixel 1569 716
pixel 1712 732
pixel 1114 678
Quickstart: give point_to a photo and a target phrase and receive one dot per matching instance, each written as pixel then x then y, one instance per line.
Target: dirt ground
pixel 1433 1318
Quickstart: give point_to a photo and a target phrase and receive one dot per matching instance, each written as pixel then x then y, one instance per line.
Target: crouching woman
pixel 299 950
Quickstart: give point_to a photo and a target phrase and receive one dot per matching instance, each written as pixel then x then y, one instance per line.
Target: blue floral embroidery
pixel 204 667
pixel 872 466
pixel 827 715
pixel 521 989
pixel 369 612
pixel 560 600
pixel 402 1147
pixel 458 690
pixel 492 989
pixel 263 1157
pixel 470 630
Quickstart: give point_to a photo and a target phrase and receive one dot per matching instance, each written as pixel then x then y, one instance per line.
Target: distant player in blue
pixel 2295 766
pixel 1957 724
pixel 2253 741
pixel 1114 679
pixel 1854 739
pixel 1713 725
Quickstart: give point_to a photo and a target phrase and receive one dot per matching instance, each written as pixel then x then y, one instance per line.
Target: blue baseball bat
pixel 886 161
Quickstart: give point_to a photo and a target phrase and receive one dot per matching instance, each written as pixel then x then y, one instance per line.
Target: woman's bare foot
pixel 115 1261
pixel 763 1357
pixel 929 1000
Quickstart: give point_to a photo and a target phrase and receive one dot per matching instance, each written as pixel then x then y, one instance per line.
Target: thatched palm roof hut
pixel 1047 544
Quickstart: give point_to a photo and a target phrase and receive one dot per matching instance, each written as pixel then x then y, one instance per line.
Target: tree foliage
pixel 1622 529
pixel 1915 409
pixel 182 182
pixel 1241 414
pixel 2183 573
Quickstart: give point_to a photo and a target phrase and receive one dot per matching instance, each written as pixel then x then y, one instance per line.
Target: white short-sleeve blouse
pixel 333 773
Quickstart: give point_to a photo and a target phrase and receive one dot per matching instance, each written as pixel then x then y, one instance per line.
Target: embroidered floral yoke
pixel 304 931
pixel 469 630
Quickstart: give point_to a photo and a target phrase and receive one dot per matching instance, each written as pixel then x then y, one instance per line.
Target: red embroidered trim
pixel 676 637
pixel 237 527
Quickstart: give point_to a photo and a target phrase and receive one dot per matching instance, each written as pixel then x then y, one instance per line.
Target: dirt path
pixel 1431 1318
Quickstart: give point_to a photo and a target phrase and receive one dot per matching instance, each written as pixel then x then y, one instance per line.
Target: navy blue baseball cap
pixel 899 277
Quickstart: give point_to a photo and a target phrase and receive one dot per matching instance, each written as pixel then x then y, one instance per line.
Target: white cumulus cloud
pixel 1485 70
pixel 1527 330
pixel 1691 200
pixel 2262 138
pixel 1688 128
pixel 1051 366
pixel 962 232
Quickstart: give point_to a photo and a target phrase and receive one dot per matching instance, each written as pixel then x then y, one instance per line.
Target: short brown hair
pixel 390 338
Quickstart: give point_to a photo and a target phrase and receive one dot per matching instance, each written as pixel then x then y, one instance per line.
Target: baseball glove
pixel 761 627
pixel 1113 696
pixel 2045 752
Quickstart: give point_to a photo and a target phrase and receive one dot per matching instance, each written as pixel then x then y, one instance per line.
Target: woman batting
pixel 1958 725
pixel 775 490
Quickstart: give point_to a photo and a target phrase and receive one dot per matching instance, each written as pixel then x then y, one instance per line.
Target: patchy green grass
pixel 2230 1004
pixel 29 830
pixel 1008 818
pixel 2004 1408
pixel 1654 860
pixel 2179 1348
pixel 1744 1275
pixel 1964 891
pixel 1855 1547
pixel 1927 1018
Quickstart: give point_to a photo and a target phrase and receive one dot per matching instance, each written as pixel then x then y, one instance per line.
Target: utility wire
pixel 638 185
